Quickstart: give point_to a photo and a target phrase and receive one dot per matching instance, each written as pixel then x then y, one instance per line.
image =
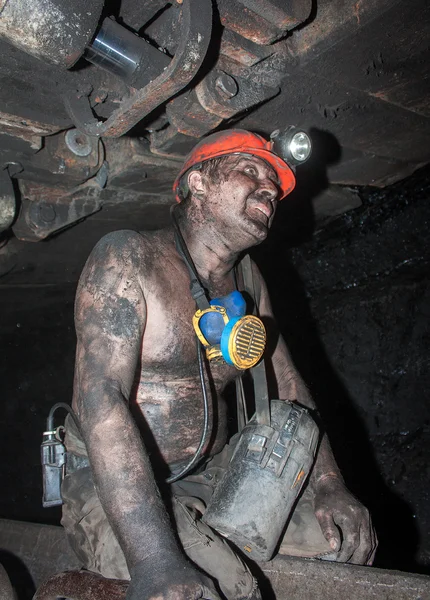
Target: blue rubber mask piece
pixel 212 324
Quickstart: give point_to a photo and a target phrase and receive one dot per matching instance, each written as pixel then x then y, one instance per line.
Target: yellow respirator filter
pixel 239 341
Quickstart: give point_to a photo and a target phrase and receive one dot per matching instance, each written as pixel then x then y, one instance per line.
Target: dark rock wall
pixel 354 306
pixel 36 371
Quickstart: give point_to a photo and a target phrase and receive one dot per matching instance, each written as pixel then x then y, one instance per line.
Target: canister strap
pixel 258 373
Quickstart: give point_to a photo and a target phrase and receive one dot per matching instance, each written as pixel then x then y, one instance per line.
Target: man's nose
pixel 269 189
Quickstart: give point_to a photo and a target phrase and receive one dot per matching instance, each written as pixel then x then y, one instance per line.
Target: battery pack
pixel 255 497
pixel 53 458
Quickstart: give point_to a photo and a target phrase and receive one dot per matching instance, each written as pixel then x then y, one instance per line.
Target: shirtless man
pixel 138 396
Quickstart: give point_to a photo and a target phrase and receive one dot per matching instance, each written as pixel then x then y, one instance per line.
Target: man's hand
pixel 169 580
pixel 345 522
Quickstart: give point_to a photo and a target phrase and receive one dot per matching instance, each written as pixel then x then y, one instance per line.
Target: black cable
pixel 197 290
pixel 199 295
pixel 50 419
pixel 197 453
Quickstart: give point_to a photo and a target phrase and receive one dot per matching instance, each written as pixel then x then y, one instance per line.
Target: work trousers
pixel 96 546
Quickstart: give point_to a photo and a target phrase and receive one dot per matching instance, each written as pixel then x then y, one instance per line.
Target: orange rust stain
pixel 380 95
pixel 299 478
pixel 357 7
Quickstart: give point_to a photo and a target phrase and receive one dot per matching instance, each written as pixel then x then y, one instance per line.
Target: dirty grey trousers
pixel 94 542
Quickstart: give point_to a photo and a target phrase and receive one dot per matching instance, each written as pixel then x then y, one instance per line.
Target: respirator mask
pixel 224 329
pixel 228 334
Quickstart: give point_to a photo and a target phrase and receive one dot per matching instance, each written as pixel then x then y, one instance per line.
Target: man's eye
pixel 250 170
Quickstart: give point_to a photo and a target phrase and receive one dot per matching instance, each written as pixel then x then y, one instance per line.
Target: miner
pixel 135 493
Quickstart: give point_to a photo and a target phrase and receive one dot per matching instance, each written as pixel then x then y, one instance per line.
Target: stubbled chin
pixel 257 229
pixel 258 219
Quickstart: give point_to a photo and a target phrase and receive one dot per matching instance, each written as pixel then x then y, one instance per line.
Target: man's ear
pixel 196 184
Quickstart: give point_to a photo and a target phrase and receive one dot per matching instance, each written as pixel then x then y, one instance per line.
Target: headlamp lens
pixel 300 146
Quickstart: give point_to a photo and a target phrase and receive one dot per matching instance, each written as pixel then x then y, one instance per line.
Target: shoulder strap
pixel 261 393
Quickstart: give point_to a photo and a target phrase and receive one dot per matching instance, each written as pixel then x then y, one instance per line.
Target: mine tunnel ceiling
pixel 83 130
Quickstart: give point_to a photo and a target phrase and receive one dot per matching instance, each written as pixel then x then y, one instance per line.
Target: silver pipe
pixel 118 50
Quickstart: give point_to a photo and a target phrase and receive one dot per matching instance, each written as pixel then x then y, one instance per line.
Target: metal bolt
pixel 226 85
pixel 47 212
pixel 78 143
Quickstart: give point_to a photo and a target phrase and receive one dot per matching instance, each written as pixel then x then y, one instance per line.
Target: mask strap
pixel 261 392
pixel 197 290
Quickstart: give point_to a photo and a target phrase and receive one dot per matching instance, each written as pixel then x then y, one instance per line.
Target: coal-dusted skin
pixel 137 390
pixel 137 355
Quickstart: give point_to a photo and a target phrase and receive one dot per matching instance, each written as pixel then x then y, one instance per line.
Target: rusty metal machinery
pixel 53 31
pixel 102 99
pixel 140 84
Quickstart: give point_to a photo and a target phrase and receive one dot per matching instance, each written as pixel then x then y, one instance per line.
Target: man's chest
pixel 170 344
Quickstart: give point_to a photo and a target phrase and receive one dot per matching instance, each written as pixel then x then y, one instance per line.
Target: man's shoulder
pixel 129 243
pixel 121 239
pixel 129 251
pixel 116 262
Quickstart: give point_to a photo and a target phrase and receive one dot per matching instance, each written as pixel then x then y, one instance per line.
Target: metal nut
pixel 78 143
pixel 226 85
pixel 47 212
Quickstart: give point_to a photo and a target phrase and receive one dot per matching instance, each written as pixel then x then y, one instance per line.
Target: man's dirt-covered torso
pixel 166 399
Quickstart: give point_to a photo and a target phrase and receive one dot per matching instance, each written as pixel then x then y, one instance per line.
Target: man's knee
pixel 96 546
pixel 303 536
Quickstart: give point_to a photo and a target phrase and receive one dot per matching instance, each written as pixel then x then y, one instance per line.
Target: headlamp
pixel 292 144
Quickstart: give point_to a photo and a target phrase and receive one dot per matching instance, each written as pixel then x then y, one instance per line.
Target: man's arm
pixel 344 521
pixel 110 316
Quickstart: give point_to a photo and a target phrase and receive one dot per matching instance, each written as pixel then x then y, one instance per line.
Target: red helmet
pixel 238 141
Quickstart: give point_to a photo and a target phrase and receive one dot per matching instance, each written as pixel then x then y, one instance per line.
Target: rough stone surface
pixel 353 303
pixel 6 589
pixel 31 553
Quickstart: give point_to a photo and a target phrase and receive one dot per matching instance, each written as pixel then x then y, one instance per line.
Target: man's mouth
pixel 261 211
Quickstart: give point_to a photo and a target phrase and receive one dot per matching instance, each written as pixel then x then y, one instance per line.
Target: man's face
pixel 242 200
